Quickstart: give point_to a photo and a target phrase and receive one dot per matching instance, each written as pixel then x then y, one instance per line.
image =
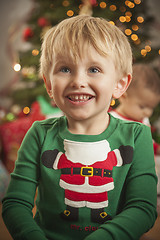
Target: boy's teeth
pixel 79 97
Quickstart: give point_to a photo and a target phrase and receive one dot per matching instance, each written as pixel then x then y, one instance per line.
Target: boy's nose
pixel 78 81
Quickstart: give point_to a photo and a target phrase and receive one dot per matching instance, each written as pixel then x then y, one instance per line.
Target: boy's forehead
pixel 88 51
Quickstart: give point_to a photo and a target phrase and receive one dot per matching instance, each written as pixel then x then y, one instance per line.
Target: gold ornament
pixel 112 102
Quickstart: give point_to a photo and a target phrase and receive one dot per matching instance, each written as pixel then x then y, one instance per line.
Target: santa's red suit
pixel 87 172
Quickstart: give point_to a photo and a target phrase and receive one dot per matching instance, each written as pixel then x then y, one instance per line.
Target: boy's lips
pixel 79 97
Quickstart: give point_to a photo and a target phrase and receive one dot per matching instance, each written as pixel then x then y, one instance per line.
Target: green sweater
pixel 89 186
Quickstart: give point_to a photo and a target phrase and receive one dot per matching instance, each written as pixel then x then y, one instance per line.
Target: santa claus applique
pixel 86 175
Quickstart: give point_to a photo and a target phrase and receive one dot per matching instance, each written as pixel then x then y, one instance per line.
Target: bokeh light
pixel 70 13
pixel 134 37
pixel 140 19
pixel 128 31
pixel 17 67
pixel 103 5
pixel 113 7
pixel 26 110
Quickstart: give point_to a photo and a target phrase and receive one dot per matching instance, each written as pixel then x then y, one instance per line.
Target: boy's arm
pixel 19 200
pixel 139 210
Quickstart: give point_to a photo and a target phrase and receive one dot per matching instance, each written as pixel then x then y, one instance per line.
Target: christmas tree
pixel 132 17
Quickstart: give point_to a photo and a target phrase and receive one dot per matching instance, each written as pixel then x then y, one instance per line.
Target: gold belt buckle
pixel 103 214
pixel 89 171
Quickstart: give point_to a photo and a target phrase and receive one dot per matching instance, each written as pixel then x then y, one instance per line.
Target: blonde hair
pixel 70 35
pixel 144 76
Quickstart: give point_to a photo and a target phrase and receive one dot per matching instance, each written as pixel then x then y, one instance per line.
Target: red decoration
pixel 93 2
pixel 27 34
pixel 12 134
pixel 43 22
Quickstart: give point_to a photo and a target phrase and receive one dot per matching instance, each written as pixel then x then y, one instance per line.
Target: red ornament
pixel 42 22
pixel 93 2
pixel 27 34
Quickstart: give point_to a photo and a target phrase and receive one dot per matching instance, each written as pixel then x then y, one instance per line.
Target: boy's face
pixel 140 105
pixel 83 89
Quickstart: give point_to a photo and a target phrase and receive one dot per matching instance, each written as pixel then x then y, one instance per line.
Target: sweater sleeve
pixel 139 210
pixel 19 200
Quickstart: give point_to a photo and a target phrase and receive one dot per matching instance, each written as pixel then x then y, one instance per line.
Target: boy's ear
pixel 121 86
pixel 48 86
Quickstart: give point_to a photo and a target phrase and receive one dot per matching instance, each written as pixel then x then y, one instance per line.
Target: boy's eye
pixel 94 70
pixel 65 70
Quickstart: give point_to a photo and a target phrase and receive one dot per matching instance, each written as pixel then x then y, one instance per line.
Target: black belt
pixel 87 171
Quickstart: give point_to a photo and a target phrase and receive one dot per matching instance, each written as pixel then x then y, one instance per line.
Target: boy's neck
pixel 87 127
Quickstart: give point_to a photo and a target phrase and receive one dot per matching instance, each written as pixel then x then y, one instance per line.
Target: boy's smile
pixel 83 88
pixel 79 98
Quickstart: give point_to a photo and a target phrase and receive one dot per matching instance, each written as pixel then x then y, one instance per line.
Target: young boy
pixel 141 98
pixel 95 174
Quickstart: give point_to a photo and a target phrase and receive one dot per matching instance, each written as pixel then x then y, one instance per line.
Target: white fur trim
pixel 92 205
pixel 86 188
pixel 55 164
pixel 86 152
pixel 119 158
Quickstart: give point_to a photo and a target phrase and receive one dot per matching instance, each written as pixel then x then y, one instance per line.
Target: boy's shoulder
pixel 130 131
pixel 121 123
pixel 47 123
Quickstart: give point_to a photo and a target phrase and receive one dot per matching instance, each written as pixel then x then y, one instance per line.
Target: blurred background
pixel 23 98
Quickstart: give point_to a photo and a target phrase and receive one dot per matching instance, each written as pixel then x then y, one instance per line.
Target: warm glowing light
pixel 159 51
pixel 148 48
pixel 17 67
pixel 113 7
pixel 35 52
pixel 137 1
pixel 122 19
pixel 131 5
pixel 65 3
pixel 140 19
pixel 111 22
pixel 128 19
pixel 126 3
pixel 135 27
pixel 134 37
pixel 70 13
pixel 129 14
pixel 26 110
pixel 128 32
pixel 143 52
pixel 103 5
